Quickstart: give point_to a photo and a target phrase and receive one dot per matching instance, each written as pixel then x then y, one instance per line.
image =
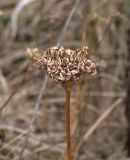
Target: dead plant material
pixel 103 116
pixel 127 99
pixel 66 67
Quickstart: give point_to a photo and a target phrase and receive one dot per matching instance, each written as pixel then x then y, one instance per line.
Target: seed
pixel 88 63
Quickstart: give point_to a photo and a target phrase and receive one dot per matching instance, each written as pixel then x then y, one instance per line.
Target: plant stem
pixel 68 124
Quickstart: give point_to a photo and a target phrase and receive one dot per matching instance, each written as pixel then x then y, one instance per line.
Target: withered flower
pixel 65 66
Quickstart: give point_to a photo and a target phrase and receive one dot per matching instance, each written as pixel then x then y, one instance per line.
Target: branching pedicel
pixel 66 67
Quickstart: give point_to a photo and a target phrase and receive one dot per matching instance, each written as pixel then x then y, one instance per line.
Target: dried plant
pixel 66 67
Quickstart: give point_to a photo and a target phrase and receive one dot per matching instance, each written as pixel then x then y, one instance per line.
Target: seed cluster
pixel 65 66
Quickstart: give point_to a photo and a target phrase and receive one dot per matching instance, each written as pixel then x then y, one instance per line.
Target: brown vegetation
pixel 32 107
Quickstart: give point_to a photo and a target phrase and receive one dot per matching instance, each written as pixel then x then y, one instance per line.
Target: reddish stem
pixel 68 124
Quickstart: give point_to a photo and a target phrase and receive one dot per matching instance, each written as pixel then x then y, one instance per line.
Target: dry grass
pixel 40 25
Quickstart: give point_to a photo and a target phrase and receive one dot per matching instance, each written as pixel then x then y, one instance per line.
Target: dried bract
pixel 65 66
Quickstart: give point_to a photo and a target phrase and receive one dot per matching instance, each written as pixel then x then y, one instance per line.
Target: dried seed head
pixel 33 53
pixel 89 67
pixel 85 49
pixel 41 63
pixel 65 66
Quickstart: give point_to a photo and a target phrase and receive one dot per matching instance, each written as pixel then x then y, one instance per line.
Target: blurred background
pixel 32 107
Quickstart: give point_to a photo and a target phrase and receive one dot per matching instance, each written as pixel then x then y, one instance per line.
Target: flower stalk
pixel 67 67
pixel 68 123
